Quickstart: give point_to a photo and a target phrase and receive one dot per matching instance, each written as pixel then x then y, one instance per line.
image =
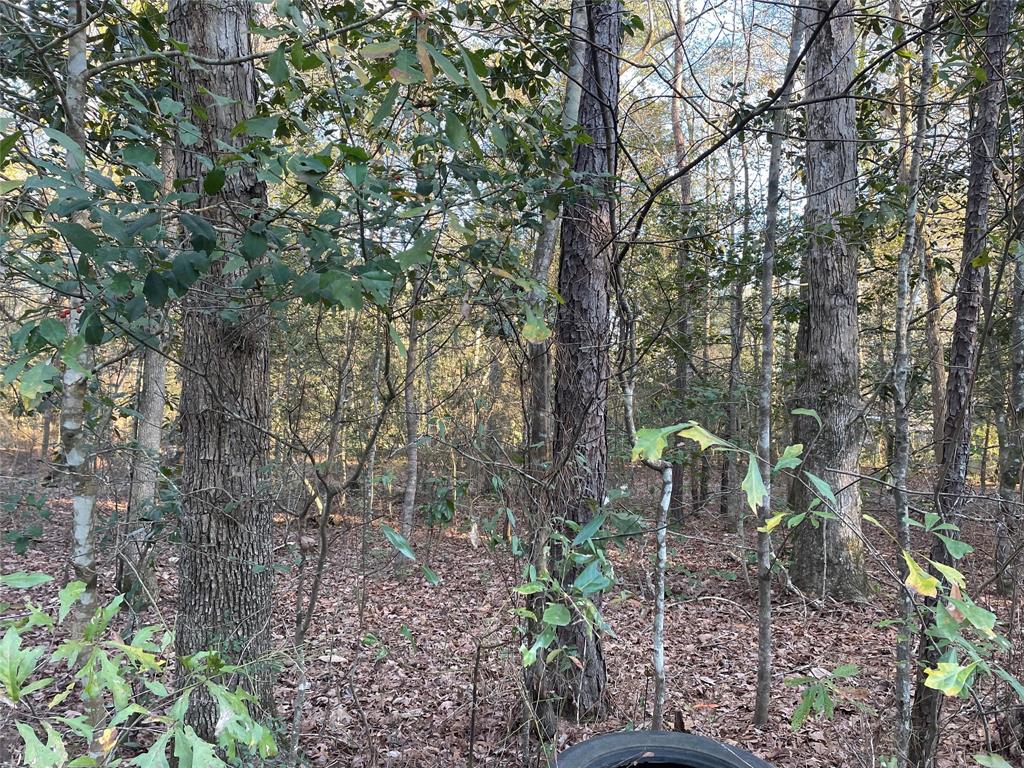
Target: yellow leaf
pixel 918 579
pixel 107 740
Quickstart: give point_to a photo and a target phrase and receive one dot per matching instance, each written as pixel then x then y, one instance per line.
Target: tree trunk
pixel 580 446
pixel 963 357
pixel 79 453
pixel 1011 449
pixel 136 562
pixel 764 401
pixel 224 571
pixel 936 357
pixel 829 558
pixel 137 581
pixel 901 376
pixel 683 342
pixel 412 420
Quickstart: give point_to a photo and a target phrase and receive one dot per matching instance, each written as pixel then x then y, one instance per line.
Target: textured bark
pixel 224 570
pixel 829 559
pixel 137 581
pixel 580 446
pixel 1011 445
pixel 952 483
pixel 538 421
pixel 79 452
pixel 901 375
pixel 933 336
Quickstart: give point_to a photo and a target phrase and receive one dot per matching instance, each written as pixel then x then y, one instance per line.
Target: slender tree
pixel 764 400
pixel 901 375
pixel 963 358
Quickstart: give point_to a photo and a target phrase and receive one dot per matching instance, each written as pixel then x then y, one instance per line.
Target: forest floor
pixel 405 674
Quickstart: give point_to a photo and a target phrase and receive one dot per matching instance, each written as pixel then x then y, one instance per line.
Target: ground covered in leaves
pixel 405 673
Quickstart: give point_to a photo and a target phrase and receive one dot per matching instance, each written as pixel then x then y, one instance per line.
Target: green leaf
pixel 772 523
pixel 23 580
pixel 39 755
pixel 204 237
pixel 949 677
pixel 475 84
pixel 277 66
pixel 80 238
pixel 790 458
pixel 592 579
pixel 155 290
pixel 651 443
pixel 262 127
pixel 980 618
pixel 387 104
pixel 823 489
pixel 398 541
pixel 953 576
pixel 156 755
pixel 556 615
pixel 753 485
pixel 7 144
pixel 956 548
pixel 991 760
pixel 213 182
pixel 36 381
pixel 586 533
pixel 702 437
pixel 417 253
pixel 444 64
pixel 535 330
pixel 382 50
pixel 429 574
pixel 53 331
pixel 807 412
pixel 68 596
pixel 76 157
pixel 454 130
pixel 189 133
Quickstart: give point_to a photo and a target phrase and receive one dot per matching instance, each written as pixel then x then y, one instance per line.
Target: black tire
pixel 664 748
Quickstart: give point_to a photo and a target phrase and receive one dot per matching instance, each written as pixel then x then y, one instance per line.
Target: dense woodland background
pixel 430 384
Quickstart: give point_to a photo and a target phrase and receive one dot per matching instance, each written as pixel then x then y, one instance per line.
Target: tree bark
pixel 224 570
pixel 683 342
pixel 829 558
pixel 936 357
pixel 763 694
pixel 77 443
pixel 412 419
pixel 582 330
pixel 136 562
pixel 963 357
pixel 901 376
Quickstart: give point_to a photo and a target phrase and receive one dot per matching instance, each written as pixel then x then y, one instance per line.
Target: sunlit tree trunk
pixel 136 563
pixel 829 558
pixel 901 376
pixel 79 452
pixel 933 336
pixel 682 342
pixel 412 418
pixel 984 135
pixel 764 401
pixel 225 566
